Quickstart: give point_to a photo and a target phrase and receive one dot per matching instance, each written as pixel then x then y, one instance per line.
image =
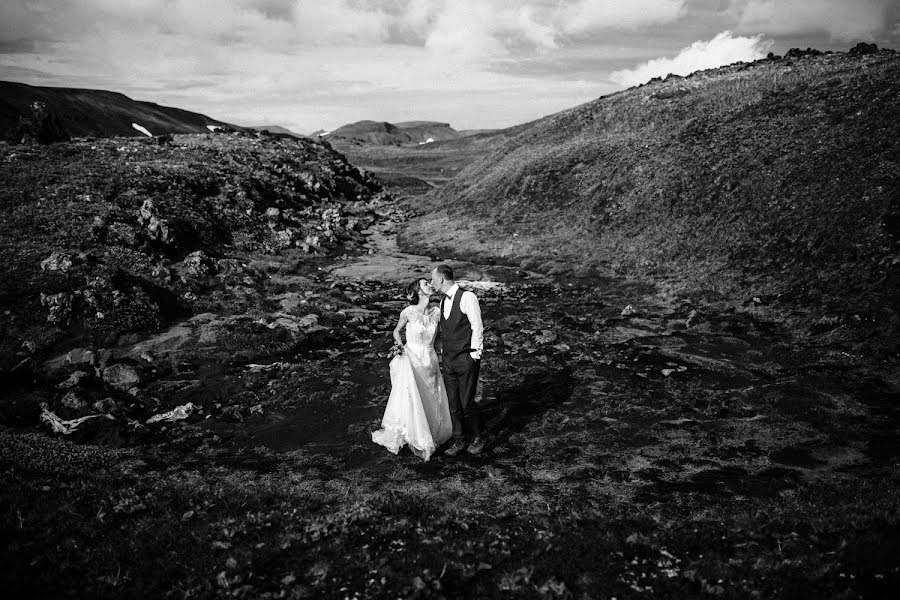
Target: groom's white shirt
pixel 469 306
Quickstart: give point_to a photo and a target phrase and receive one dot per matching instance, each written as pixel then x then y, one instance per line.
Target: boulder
pixel 39 126
pixel 863 48
pixel 73 401
pixel 74 380
pixel 121 377
pixel 196 264
pixel 105 405
pixel 59 308
pixel 98 228
pixel 157 227
pixel 798 53
pixel 81 358
pixel 58 261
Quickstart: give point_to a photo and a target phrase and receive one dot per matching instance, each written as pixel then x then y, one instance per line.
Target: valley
pixel 690 380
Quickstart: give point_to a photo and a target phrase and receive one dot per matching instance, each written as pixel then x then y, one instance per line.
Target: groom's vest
pixel 456 331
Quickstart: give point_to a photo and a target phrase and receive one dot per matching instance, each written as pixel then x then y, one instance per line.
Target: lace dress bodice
pixel 421 328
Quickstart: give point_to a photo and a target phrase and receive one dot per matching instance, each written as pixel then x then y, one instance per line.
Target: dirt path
pixel 687 399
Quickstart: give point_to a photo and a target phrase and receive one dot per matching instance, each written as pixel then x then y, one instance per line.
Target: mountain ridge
pixel 383 133
pixel 85 112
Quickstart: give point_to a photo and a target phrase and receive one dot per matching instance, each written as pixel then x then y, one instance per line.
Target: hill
pixel 276 130
pixel 98 113
pixel 383 133
pixel 416 168
pixel 776 180
pixel 123 229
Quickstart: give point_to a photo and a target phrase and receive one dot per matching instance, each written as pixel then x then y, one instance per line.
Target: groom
pixel 462 335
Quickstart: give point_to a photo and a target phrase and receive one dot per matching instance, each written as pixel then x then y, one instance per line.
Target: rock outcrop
pixel 39 126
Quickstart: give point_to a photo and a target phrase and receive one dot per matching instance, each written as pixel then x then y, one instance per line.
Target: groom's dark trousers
pixel 461 380
pixel 460 370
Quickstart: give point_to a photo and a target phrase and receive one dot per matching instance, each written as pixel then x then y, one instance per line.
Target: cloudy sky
pixel 311 64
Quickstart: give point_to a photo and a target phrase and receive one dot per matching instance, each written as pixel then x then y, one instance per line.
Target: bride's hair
pixel 412 292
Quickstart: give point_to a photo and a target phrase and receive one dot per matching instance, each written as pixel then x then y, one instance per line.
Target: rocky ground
pixel 640 444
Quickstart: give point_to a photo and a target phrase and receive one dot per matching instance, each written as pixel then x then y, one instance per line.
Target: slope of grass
pixel 778 178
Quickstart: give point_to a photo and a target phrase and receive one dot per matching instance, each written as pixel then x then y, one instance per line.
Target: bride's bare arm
pixel 401 323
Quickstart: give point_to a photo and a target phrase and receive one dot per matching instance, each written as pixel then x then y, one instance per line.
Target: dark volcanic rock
pixel 103 238
pixel 40 126
pixel 798 53
pixel 121 377
pixel 864 48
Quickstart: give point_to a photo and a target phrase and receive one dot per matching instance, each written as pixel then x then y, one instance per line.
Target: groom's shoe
pixel 477 445
pixel 456 446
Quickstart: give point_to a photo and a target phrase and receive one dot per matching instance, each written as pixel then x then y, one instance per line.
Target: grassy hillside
pixel 97 113
pixel 776 180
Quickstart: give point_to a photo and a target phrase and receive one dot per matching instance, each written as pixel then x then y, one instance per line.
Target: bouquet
pixel 396 350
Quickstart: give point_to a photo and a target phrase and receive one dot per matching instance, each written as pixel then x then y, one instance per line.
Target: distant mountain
pixel 98 113
pixel 414 168
pixel 480 139
pixel 382 133
pixel 276 129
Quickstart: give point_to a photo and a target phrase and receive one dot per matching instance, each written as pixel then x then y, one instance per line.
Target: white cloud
pixel 489 29
pixel 473 30
pixel 541 34
pixel 256 21
pixel 588 15
pixel 320 63
pixel 723 49
pixel 336 21
pixel 848 20
pixel 466 29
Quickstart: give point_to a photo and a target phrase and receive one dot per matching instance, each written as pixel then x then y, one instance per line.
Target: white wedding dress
pixel 417 412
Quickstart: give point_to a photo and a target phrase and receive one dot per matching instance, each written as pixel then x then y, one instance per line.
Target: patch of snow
pixel 142 129
pixel 213 128
pixel 428 141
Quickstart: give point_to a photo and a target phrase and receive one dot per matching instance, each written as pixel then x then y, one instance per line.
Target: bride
pixel 417 411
